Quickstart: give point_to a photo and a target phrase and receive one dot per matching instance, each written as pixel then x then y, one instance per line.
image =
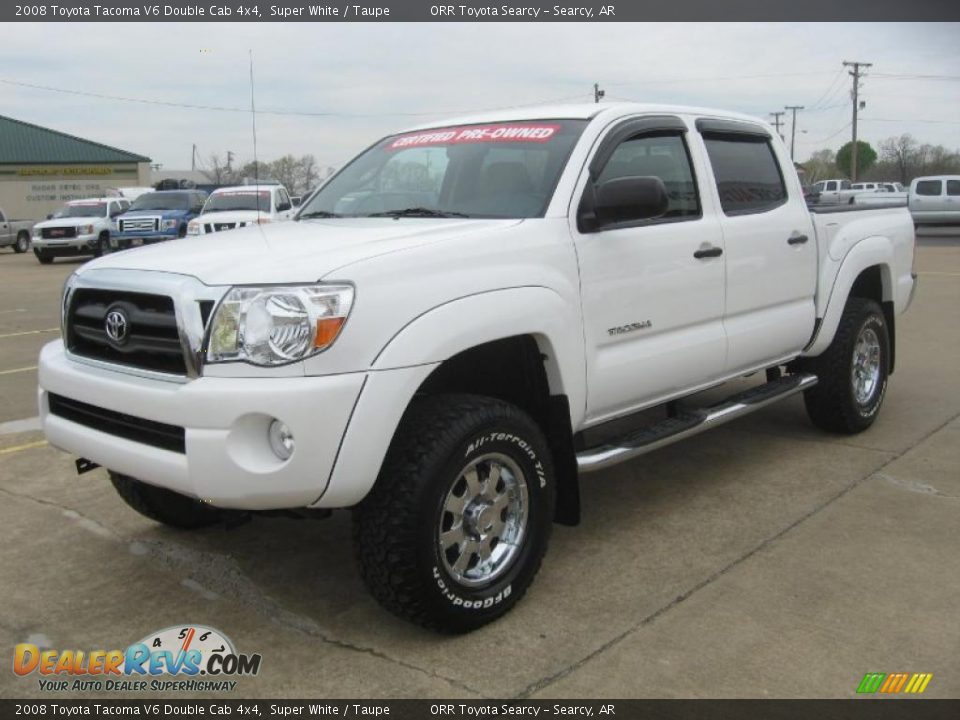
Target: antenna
pixel 256 162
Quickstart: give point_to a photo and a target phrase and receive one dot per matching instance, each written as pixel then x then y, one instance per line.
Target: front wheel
pixel 453 532
pixel 852 371
pixel 45 258
pixel 22 244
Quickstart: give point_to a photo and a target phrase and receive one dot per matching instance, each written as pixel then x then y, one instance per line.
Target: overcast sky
pixel 378 78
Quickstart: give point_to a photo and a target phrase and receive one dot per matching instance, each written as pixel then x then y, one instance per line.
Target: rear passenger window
pixel 929 187
pixel 663 156
pixel 746 172
pixel 953 187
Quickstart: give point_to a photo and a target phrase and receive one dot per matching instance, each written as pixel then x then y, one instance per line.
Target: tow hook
pixel 85 466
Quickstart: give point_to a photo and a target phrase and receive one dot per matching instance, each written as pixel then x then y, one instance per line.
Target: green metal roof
pixel 23 143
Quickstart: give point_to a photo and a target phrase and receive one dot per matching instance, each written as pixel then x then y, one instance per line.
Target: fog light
pixel 281 439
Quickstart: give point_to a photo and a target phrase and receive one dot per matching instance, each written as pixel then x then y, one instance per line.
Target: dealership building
pixel 40 169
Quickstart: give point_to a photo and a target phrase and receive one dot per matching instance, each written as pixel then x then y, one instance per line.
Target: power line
pixel 298 113
pixel 660 81
pixel 830 88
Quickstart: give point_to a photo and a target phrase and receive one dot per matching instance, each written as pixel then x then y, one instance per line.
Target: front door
pixel 652 291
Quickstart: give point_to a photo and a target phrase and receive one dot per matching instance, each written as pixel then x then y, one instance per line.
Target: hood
pixel 231 216
pixel 67 222
pixel 290 252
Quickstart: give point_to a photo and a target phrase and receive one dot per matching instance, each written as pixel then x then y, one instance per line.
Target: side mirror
pixel 296 200
pixel 49 216
pixel 623 200
pixel 282 207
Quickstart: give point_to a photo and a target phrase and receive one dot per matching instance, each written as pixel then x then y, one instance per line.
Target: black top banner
pixel 474 11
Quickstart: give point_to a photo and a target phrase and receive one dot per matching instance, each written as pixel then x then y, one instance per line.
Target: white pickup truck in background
pixel 836 192
pixel 229 208
pixel 466 320
pixel 80 227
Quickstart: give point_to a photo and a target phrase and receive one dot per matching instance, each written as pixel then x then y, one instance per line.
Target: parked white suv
pixel 935 200
pixel 229 208
pixel 80 227
pixel 463 321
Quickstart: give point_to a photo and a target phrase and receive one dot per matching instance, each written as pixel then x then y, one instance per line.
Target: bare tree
pixel 899 152
pixel 821 164
pixel 285 171
pixel 308 174
pixel 219 172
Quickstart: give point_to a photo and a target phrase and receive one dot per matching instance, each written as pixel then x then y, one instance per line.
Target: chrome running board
pixel 691 422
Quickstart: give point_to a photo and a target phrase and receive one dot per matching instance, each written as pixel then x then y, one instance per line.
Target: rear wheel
pixel 22 244
pixel 457 524
pixel 853 371
pixel 164 506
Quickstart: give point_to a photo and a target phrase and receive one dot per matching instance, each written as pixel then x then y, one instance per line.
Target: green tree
pixel 866 157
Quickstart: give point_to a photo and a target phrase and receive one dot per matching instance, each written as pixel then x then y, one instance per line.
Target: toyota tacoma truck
pixel 15 233
pixel 465 321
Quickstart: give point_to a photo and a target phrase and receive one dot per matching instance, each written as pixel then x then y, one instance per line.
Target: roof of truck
pixel 580 111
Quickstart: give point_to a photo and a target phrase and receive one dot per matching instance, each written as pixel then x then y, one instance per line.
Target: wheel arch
pixel 866 272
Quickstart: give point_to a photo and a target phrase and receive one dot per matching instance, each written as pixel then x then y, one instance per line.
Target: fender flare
pixel 466 322
pixel 407 359
pixel 869 252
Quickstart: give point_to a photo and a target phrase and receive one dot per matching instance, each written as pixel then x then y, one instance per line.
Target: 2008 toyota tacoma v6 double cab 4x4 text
pixel 452 317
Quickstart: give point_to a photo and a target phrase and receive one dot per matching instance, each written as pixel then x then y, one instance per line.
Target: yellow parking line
pixel 16 370
pixel 25 446
pixel 29 332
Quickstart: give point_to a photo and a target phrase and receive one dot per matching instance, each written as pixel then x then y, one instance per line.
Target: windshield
pixel 82 210
pixel 238 200
pixel 161 201
pixel 502 170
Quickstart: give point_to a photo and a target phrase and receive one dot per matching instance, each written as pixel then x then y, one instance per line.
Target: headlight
pixel 85 230
pixel 170 224
pixel 36 233
pixel 277 324
pixel 193 228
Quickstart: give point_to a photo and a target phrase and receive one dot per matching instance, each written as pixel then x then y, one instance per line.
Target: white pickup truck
pixel 837 192
pixel 445 335
pixel 230 208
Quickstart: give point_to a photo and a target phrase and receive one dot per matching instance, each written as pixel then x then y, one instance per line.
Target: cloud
pixel 381 77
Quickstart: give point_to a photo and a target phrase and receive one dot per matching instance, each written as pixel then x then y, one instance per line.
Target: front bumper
pixel 227 459
pixel 81 242
pixel 120 241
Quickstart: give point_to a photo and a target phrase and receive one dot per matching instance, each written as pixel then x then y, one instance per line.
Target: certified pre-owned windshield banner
pixel 477 11
pixel 860 709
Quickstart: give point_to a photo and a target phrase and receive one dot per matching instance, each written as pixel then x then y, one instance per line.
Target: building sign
pixel 76 170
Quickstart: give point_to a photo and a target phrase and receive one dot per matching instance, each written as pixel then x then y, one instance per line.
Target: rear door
pixel 651 291
pixel 927 197
pixel 769 245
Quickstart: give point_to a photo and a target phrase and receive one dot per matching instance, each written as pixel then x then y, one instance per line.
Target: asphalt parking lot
pixel 763 559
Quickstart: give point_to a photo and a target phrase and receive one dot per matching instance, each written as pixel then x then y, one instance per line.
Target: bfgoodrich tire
pixel 455 528
pixel 164 506
pixel 853 371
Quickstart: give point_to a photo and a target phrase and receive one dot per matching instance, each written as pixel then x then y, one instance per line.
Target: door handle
pixel 797 239
pixel 708 252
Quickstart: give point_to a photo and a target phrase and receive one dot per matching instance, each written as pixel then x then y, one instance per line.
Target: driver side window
pixel 663 156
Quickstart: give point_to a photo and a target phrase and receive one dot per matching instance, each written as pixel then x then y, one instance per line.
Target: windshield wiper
pixel 416 212
pixel 317 214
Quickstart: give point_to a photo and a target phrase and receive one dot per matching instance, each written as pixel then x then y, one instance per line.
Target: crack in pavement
pixel 709 580
pixel 916 487
pixel 214 575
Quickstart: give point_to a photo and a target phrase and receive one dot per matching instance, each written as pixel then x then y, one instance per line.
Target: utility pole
pixel 793 126
pixel 193 158
pixel 229 161
pixel 597 93
pixel 855 96
pixel 777 122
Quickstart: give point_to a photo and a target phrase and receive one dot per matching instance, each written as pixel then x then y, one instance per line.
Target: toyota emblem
pixel 117 326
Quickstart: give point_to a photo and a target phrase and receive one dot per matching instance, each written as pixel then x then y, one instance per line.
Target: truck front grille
pixel 58 232
pixel 149 339
pixel 140 225
pixel 217 227
pixel 148 432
